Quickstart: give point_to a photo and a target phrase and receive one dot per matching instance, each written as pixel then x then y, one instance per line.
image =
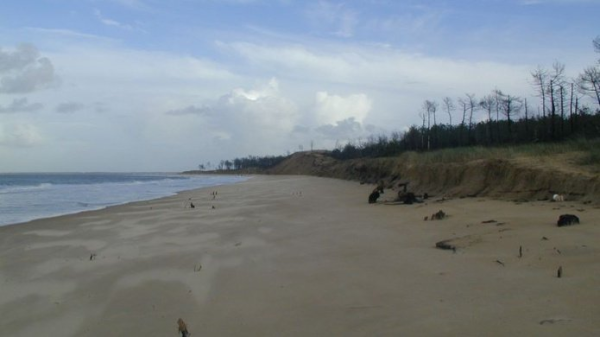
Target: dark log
pixel 567 220
pixel 445 244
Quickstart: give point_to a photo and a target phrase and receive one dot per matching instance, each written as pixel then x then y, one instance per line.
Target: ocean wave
pixel 8 189
pixel 23 203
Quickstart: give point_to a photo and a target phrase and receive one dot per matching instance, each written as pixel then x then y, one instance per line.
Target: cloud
pixel 20 135
pixel 333 108
pixel 245 120
pixel 109 22
pixel 380 68
pixel 69 107
pixel 55 33
pixel 23 56
pixel 342 130
pixel 190 110
pixel 21 105
pixel 24 71
pixel 255 112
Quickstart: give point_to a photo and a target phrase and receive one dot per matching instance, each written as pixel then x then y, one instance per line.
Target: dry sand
pixel 302 256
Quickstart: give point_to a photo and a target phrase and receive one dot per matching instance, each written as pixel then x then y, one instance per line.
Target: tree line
pixel 508 119
pixel 250 162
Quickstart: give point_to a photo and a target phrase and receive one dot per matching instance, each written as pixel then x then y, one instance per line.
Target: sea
pixel 29 196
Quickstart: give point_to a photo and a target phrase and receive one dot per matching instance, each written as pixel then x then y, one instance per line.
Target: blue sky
pixel 149 85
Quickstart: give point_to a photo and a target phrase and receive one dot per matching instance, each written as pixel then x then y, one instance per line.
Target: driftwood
pixel 182 328
pixel 377 192
pixel 520 251
pixel 445 244
pixel 374 196
pixel 408 198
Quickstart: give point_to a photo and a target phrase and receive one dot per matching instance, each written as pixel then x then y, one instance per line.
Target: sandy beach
pixel 303 256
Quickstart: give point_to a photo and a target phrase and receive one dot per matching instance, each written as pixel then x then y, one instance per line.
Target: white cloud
pixel 255 116
pixel 379 68
pixel 113 23
pixel 333 108
pixel 246 121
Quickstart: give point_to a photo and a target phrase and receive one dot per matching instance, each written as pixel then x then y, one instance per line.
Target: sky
pixel 157 85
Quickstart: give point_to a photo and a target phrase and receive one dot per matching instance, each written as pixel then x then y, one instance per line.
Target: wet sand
pixel 303 256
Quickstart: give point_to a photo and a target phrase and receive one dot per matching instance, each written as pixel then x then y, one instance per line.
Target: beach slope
pixel 303 256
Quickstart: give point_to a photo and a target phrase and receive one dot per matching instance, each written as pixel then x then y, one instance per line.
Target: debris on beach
pixel 500 263
pixel 559 272
pixel 489 221
pixel 377 192
pixel 182 328
pixel 445 244
pixel 438 216
pixel 554 320
pixel 567 220
pixel 374 196
pixel 520 251
pixel 92 256
pixel 197 268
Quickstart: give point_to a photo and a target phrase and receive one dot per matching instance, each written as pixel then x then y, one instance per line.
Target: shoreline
pixel 300 256
pixel 172 194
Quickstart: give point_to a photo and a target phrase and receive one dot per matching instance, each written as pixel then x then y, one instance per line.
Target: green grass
pixel 589 149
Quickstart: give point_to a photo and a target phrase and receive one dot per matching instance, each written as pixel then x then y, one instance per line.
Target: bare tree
pixel 498 98
pixel 465 107
pixel 472 106
pixel 526 117
pixel 449 107
pixel 423 115
pixel 429 110
pixel 557 81
pixel 588 82
pixel 510 106
pixel 540 78
pixel 488 104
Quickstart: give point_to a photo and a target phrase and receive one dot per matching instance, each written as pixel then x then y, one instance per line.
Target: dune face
pixel 515 178
pixel 304 256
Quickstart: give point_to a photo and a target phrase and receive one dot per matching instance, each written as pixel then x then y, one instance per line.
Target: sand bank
pixel 302 256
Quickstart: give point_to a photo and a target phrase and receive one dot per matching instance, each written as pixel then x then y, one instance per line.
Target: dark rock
pixel 567 220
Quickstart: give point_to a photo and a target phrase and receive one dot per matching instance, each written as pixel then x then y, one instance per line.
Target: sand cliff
pixel 521 178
